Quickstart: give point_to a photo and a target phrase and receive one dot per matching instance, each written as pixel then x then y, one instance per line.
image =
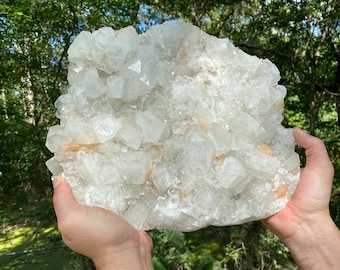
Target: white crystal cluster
pixel 173 129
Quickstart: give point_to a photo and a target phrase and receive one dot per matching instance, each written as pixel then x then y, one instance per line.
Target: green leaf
pixel 157 265
pixel 176 239
pixel 208 266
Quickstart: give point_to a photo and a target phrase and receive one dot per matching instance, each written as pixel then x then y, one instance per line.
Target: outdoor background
pixel 301 37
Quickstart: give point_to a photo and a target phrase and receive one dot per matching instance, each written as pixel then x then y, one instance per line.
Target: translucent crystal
pixel 173 129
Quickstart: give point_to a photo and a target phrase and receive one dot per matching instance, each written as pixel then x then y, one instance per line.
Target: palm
pixel 312 195
pixel 94 231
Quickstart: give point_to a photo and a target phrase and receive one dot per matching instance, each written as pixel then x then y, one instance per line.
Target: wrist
pixel 124 260
pixel 315 244
pixel 135 257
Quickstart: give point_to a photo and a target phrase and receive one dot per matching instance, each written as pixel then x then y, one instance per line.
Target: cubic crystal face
pixel 173 129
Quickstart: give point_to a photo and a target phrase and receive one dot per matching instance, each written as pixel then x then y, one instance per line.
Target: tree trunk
pixel 4 102
pixel 313 109
pixel 337 102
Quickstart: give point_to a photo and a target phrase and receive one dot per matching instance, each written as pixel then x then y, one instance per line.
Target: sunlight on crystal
pixel 173 129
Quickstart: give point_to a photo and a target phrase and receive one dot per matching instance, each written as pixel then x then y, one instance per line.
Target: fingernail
pixel 55 182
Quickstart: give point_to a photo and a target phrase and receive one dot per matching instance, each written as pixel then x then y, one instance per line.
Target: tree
pixel 35 38
pixel 300 37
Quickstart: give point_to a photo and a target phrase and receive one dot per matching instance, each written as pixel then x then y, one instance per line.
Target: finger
pixel 316 152
pixel 63 199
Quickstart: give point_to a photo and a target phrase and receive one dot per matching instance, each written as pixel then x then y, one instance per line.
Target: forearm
pixel 316 245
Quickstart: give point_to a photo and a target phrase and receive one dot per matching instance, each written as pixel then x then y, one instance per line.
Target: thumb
pixel 316 153
pixel 63 199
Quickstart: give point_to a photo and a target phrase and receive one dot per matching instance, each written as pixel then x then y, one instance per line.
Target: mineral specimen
pixel 173 129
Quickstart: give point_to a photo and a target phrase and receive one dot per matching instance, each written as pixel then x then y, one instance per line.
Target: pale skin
pixel 304 225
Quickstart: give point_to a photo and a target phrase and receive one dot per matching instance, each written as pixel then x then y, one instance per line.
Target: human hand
pixel 305 224
pixel 106 238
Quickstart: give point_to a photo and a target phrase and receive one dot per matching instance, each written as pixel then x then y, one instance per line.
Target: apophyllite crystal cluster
pixel 173 129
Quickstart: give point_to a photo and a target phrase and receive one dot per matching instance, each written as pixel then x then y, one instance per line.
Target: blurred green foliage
pixel 301 37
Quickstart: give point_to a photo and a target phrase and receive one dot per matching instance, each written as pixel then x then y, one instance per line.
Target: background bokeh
pixel 301 37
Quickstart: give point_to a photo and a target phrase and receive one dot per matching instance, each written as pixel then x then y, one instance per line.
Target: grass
pixel 29 240
pixel 28 248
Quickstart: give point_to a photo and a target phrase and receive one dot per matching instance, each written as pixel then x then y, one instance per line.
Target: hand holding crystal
pixel 99 234
pixel 305 224
pixel 176 129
